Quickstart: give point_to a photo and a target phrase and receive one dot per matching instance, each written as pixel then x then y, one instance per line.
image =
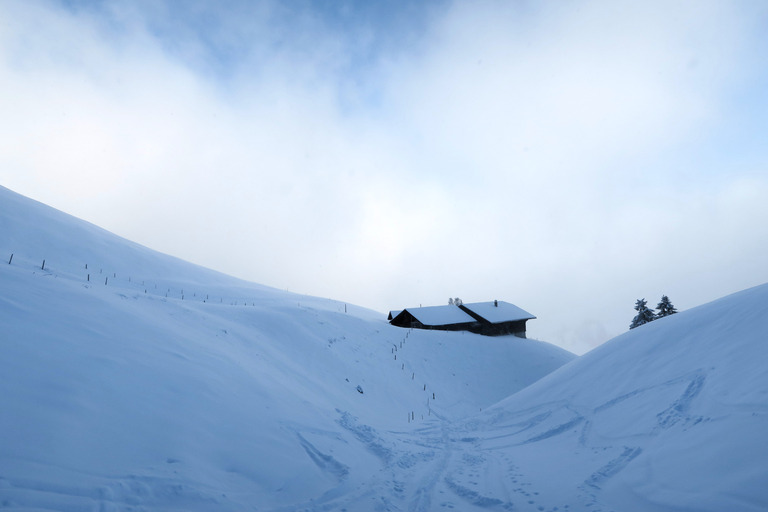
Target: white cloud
pixel 513 153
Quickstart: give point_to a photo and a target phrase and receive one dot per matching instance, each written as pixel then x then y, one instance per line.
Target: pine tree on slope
pixel 644 315
pixel 665 307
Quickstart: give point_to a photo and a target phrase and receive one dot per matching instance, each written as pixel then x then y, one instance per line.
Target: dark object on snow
pixel 644 314
pixel 665 307
pixel 359 390
pixel 497 318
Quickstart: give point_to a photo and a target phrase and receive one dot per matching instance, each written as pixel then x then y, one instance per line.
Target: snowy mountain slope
pixel 670 416
pixel 135 381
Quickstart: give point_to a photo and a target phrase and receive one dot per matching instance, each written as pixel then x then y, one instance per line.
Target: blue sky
pixel 566 157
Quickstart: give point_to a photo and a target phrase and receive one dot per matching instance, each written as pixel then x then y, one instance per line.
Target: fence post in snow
pixel 11 259
pixel 88 277
pixel 42 267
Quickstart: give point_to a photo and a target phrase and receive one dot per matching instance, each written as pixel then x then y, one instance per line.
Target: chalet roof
pixel 503 312
pixel 440 315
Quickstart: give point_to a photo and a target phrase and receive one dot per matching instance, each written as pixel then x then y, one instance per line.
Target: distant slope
pixel 670 416
pixel 143 382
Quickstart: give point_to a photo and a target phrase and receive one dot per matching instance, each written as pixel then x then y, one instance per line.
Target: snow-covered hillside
pixel 145 383
pixel 130 380
pixel 669 416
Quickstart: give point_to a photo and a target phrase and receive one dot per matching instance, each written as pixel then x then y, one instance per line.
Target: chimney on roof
pixel 495 303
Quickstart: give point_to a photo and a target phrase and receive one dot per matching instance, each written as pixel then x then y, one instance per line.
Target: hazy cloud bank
pixel 568 158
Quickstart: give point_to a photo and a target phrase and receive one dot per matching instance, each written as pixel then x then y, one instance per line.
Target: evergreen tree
pixel 644 315
pixel 665 307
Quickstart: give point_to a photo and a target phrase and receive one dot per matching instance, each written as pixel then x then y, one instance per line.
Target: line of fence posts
pixel 130 280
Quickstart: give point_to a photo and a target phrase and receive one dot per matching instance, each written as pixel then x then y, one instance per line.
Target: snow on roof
pixel 440 315
pixel 504 312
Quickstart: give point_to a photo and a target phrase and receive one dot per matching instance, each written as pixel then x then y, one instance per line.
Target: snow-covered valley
pixel 131 380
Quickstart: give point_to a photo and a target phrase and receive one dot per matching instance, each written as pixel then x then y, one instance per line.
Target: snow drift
pixel 133 380
pixel 669 416
pixel 141 382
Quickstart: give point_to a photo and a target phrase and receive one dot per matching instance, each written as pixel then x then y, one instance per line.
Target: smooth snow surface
pixel 499 311
pixel 440 315
pixel 145 383
pixel 136 381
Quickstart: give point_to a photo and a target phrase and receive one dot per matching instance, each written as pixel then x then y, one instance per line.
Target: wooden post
pixel 11 259
pixel 105 280
pixel 43 266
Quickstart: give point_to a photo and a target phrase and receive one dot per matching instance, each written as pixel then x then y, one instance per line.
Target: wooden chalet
pixel 495 318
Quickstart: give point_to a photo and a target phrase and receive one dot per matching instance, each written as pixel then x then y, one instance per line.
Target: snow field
pixel 117 398
pixel 238 396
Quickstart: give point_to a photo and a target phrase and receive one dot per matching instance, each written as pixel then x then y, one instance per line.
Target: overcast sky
pixel 568 157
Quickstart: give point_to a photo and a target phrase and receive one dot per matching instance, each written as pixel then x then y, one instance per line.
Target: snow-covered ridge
pixel 143 381
pixel 669 416
pixel 114 398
